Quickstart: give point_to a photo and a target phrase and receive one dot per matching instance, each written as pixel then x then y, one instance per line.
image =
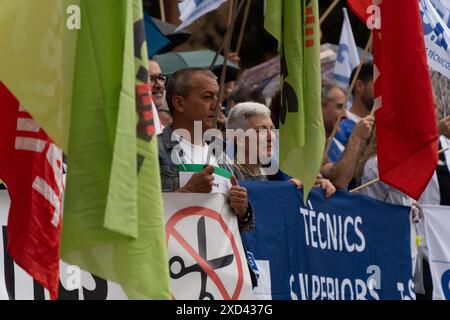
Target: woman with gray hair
pixel 251 129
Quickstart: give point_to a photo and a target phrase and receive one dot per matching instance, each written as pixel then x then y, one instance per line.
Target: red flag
pixel 405 120
pixel 31 167
pixel 359 7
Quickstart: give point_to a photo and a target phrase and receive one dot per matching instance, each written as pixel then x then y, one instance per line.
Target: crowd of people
pixel 190 95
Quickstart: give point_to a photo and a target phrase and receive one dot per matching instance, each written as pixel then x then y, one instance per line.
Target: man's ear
pixel 359 86
pixel 178 103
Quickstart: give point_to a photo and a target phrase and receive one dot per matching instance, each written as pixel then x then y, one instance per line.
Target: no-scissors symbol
pixel 206 268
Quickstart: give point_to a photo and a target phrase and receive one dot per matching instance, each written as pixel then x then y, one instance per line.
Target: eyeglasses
pixel 159 77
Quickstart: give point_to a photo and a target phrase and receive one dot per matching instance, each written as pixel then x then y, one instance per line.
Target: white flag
pixel 437 228
pixel 191 10
pixel 348 57
pixel 437 38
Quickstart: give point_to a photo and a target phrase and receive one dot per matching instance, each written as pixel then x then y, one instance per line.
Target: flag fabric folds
pixel 348 58
pixel 37 59
pixel 295 24
pixel 191 10
pixel 443 8
pixel 405 119
pixel 113 215
pixel 437 38
pixel 359 8
pixel 31 167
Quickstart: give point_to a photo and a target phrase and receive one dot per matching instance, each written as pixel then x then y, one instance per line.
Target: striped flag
pixel 31 167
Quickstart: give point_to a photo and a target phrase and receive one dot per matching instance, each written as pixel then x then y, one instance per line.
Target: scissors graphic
pixel 213 263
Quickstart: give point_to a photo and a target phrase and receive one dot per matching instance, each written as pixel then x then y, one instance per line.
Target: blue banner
pixel 347 247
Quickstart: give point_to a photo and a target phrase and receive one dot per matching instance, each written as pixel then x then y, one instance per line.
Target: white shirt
pixel 380 190
pixel 388 194
pixel 193 154
pixel 188 153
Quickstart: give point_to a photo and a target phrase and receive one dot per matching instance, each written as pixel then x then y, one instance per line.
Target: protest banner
pixel 437 229
pixel 347 247
pixel 74 283
pixel 206 257
pixel 437 38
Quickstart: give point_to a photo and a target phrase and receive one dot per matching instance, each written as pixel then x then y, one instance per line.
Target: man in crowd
pixel 158 83
pixel 256 116
pixel 192 97
pixel 362 104
pixel 342 159
pixel 333 100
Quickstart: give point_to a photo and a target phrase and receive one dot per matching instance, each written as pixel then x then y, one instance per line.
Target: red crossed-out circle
pixel 202 211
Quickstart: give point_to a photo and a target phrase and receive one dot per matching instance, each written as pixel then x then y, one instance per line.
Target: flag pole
pixel 371 182
pixel 233 20
pixel 328 11
pixel 163 10
pixel 244 23
pixel 227 41
pixel 349 92
pixel 233 12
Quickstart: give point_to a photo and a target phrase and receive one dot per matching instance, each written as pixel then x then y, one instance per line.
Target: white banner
pixel 437 38
pixel 205 256
pixel 437 229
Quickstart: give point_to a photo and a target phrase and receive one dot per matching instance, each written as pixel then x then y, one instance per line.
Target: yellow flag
pixel 37 59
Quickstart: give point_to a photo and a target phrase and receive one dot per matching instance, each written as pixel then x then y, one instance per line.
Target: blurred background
pixel 258 46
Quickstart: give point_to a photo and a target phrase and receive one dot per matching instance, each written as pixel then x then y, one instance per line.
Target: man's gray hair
pixel 327 86
pixel 239 115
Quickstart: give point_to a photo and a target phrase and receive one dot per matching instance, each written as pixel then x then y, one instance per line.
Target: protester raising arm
pixel 342 172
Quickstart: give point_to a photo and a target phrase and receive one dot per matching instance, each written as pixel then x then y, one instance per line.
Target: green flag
pixel 113 216
pixel 295 24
